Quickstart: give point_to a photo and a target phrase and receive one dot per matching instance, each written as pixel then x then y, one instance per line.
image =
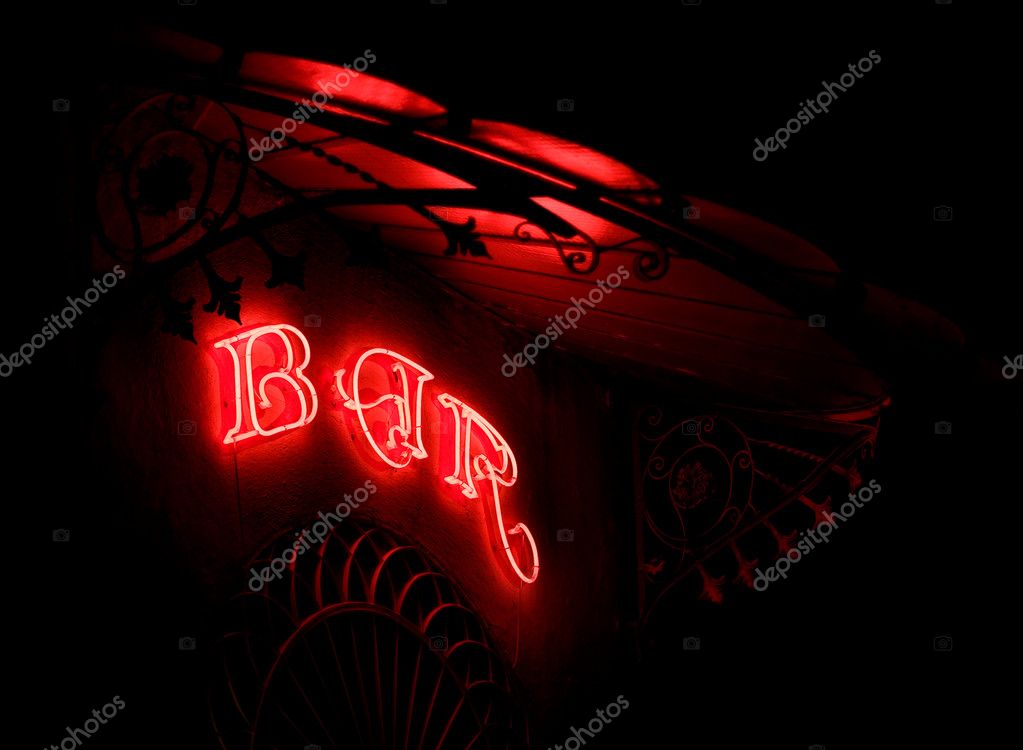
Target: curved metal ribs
pixel 360 643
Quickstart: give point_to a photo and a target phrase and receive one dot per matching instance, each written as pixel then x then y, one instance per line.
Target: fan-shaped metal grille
pixel 361 643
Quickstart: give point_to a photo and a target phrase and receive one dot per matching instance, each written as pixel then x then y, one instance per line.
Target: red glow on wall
pixel 495 158
pixel 294 75
pixel 577 160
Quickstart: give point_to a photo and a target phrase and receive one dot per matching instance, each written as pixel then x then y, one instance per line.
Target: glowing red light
pixel 264 392
pixel 267 388
pixel 401 412
pixel 495 158
pixel 469 466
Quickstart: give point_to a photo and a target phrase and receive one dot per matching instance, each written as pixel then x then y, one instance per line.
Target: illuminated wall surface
pixel 450 426
pixel 283 481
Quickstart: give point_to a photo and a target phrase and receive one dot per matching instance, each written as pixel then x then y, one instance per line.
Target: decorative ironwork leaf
pixel 225 298
pixel 462 239
pixel 177 318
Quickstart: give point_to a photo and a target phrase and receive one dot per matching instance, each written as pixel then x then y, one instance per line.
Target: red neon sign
pixel 405 407
pixel 265 393
pixel 266 386
pixel 471 429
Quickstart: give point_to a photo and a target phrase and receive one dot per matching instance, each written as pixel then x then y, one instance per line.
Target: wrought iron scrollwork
pixel 712 513
pixel 170 178
pixel 576 260
pixel 652 262
pixel 698 481
pixel 162 182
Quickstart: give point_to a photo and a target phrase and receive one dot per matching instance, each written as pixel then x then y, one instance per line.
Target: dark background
pixel 842 652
